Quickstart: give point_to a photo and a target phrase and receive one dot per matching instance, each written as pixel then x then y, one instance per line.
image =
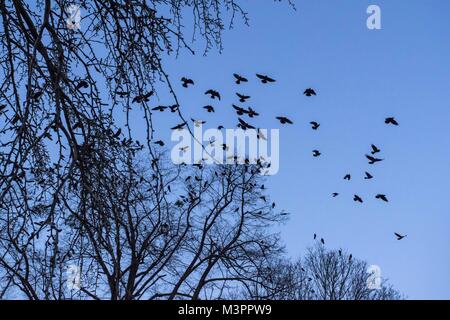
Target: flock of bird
pixel 251 113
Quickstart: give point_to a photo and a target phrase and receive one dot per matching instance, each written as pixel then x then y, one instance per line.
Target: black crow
pixel 375 149
pixel 213 94
pixel 368 176
pixel 399 236
pixel 382 197
pixel 284 120
pixel 239 78
pixel 186 82
pixel 373 160
pixel 391 120
pixel 309 92
pixel 209 108
pixel 265 79
pixel 242 98
pixel 315 125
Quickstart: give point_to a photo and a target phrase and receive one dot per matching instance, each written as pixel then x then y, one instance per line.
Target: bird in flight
pixel 213 94
pixel 198 123
pixel 347 177
pixel 143 97
pixel 179 126
pixel 187 82
pixel 252 113
pixel 315 125
pixel 244 125
pixel 284 120
pixel 174 108
pixel 209 108
pixel 184 149
pixel 159 108
pixel 368 176
pixel 357 198
pixel 399 236
pixel 242 98
pixel 391 120
pixel 123 93
pixel 316 153
pixel 261 135
pixel 373 160
pixel 239 78
pixel 160 143
pixel 309 92
pixel 375 149
pixel 265 79
pixel 240 111
pixel 335 194
pixel 382 197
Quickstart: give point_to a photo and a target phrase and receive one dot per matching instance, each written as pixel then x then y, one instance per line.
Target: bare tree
pixel 76 186
pixel 323 274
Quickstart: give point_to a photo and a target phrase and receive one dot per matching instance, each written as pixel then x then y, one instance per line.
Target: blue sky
pixel 361 77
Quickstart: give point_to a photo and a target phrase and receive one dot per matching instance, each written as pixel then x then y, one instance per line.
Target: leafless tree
pixel 76 186
pixel 323 274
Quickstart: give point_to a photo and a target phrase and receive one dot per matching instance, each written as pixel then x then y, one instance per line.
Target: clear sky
pixel 361 76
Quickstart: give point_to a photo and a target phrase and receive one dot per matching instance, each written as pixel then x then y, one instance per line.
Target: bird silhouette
pixel 316 153
pixel 375 149
pixel 350 257
pixel 382 197
pixel 82 84
pixel 187 82
pixel 347 177
pixel 335 194
pixel 391 120
pixel 373 160
pixel 315 125
pixel 399 236
pixel 357 198
pixel 261 135
pixel 213 94
pixel 179 126
pixel 368 176
pixel 315 236
pixel 123 94
pixel 142 97
pixel 322 241
pixel 252 113
pixel 160 142
pixel 159 108
pixel 209 108
pixel 184 149
pixel 264 78
pixel 284 120
pixel 220 127
pixel 309 92
pixel 244 125
pixel 242 98
pixel 239 78
pixel 240 111
pixel 174 108
pixel 198 123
